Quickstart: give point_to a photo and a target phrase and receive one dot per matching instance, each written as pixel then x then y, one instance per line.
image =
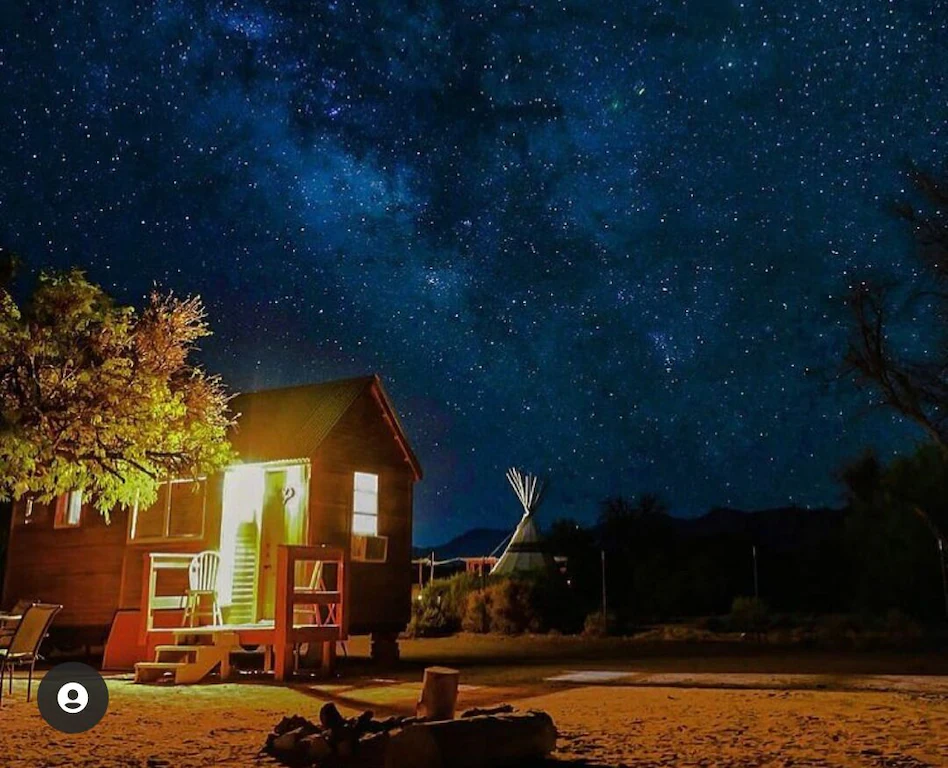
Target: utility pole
pixel 603 553
pixel 944 576
pixel 756 583
pixel 432 567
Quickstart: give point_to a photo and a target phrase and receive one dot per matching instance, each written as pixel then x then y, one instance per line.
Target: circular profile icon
pixel 72 697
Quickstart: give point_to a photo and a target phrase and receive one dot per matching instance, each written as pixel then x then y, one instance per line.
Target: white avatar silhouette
pixel 72 698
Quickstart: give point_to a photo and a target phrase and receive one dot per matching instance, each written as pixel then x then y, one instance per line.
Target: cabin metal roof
pixel 292 422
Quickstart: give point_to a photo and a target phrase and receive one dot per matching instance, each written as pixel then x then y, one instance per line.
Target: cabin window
pixel 365 504
pixel 32 512
pixel 178 512
pixel 68 510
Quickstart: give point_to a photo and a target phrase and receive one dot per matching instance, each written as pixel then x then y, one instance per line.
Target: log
pixel 439 693
pixel 500 709
pixel 473 742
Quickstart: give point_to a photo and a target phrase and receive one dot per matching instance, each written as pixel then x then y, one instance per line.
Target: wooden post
pixel 439 693
pixel 756 583
pixel 283 617
pixel 147 590
pixel 603 553
pixel 328 661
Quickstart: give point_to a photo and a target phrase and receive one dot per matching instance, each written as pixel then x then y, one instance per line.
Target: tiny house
pixel 324 465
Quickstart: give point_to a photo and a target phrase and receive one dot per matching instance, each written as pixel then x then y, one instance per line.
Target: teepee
pixel 524 552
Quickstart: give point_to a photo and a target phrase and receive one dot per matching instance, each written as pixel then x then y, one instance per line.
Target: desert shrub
pixel 749 614
pixel 598 624
pixel 476 616
pixel 836 630
pixel 428 620
pixel 511 607
pixel 902 628
pixel 439 608
pixel 506 606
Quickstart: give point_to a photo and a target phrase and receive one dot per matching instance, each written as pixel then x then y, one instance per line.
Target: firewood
pixel 361 723
pixel 291 723
pixel 500 709
pixel 330 718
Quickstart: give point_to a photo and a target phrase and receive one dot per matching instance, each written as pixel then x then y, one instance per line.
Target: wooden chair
pixel 25 644
pixel 202 585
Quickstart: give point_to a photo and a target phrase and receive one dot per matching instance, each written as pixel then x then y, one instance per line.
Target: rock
pixel 371 750
pixel 286 742
pixel 413 747
pixel 474 742
pixel 315 747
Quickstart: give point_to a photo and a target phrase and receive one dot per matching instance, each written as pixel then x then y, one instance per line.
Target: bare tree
pixel 916 387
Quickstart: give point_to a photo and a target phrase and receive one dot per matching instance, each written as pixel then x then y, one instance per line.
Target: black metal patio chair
pixel 25 643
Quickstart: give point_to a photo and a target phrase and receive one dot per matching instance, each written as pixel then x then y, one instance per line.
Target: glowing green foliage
pixel 100 398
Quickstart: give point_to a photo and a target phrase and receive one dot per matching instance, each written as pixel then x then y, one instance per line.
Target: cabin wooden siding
pixel 379 593
pixel 93 569
pixel 134 552
pixel 79 567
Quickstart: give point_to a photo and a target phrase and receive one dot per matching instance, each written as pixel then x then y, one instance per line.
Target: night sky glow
pixel 602 240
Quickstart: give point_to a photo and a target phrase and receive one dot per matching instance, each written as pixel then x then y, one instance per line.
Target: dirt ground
pixel 612 708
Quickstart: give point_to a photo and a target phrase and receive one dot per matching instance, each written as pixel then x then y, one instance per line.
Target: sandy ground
pixel 635 713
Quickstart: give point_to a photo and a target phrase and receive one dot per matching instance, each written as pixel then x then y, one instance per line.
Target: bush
pixel 901 628
pixel 511 607
pixel 440 606
pixel 477 612
pixel 506 605
pixel 836 630
pixel 599 625
pixel 749 614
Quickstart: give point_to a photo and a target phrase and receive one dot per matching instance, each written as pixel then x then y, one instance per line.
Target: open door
pixel 282 521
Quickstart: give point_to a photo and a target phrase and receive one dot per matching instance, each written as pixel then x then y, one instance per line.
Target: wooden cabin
pixel 323 468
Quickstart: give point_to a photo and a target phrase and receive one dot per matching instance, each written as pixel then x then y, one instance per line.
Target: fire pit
pixel 496 736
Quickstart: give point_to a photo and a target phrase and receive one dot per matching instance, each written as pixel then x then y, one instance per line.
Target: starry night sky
pixel 602 240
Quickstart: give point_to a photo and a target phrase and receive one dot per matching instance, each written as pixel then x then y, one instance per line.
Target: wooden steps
pixel 244 584
pixel 194 655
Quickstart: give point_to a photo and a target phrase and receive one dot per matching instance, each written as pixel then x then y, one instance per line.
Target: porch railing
pixel 287 633
pixel 155 564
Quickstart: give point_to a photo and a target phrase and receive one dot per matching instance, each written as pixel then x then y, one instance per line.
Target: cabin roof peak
pixel 289 422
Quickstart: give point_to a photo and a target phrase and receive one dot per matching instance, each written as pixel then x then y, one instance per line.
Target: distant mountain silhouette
pixel 477 542
pixel 779 528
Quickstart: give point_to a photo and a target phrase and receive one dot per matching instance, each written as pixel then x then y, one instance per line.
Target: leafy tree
pixel 915 386
pixel 897 515
pixel 9 264
pixel 639 542
pixel 100 398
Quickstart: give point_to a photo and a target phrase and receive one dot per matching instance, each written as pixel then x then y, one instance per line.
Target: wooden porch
pixel 305 612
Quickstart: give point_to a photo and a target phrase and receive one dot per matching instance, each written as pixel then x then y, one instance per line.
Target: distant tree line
pixel 875 556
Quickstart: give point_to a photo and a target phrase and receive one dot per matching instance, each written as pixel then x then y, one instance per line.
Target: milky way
pixel 602 240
